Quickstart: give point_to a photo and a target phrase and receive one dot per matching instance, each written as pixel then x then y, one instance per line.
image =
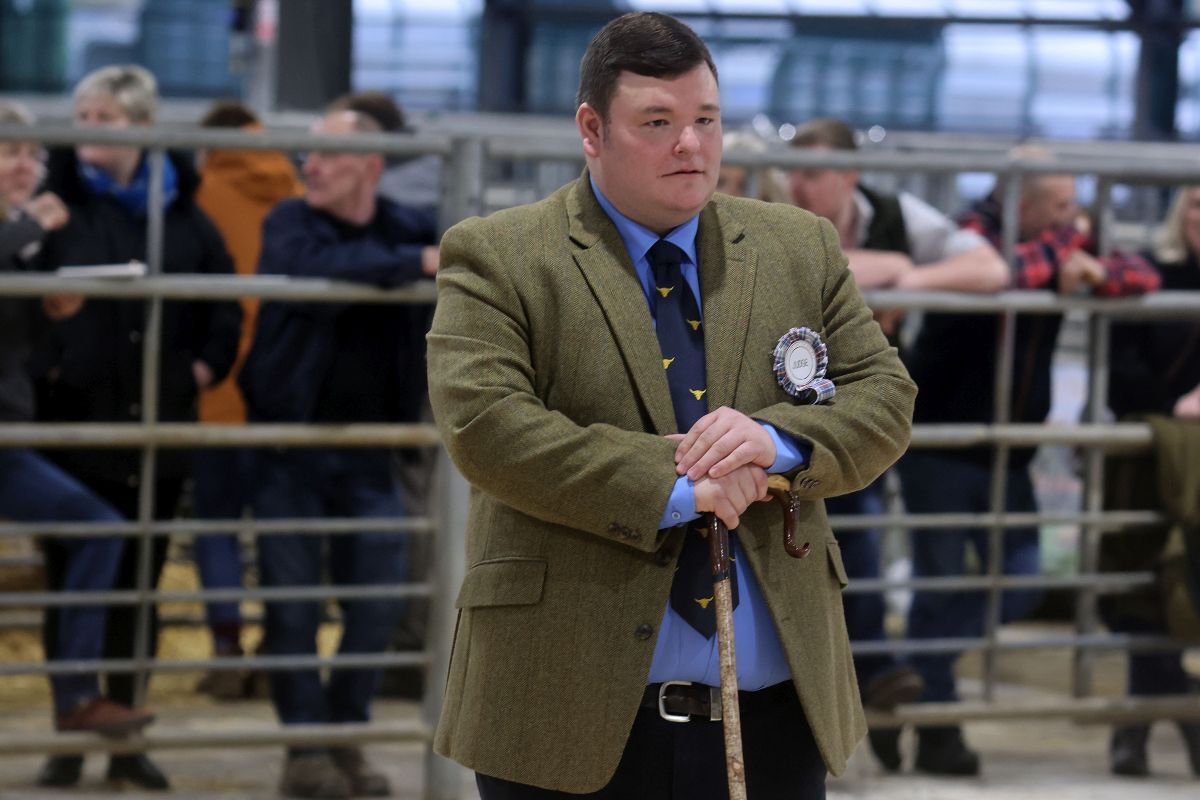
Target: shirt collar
pixel 638 238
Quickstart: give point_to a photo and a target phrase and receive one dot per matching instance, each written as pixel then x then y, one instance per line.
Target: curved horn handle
pixel 781 489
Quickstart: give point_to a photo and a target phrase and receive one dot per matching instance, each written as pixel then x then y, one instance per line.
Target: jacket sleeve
pixel 220 322
pixel 597 478
pixel 295 242
pixel 867 425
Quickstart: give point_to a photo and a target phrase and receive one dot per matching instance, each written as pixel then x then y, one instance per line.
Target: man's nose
pixel 688 142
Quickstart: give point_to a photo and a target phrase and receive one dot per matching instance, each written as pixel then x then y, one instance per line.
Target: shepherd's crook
pixel 718 540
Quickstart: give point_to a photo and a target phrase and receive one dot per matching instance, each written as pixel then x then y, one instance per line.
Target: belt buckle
pixel 714 703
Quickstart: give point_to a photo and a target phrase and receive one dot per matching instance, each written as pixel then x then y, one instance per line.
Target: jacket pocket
pixel 835 562
pixel 503 582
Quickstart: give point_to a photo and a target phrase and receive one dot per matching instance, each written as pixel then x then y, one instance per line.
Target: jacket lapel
pixel 606 266
pixel 727 271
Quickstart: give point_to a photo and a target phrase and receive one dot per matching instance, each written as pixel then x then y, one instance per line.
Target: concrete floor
pixel 1046 760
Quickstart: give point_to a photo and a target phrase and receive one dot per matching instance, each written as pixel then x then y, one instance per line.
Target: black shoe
pixel 1191 743
pixel 137 769
pixel 60 771
pixel 890 688
pixel 885 744
pixel 1127 751
pixel 942 751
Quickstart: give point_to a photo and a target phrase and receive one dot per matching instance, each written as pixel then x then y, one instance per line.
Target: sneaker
pixel 314 775
pixel 942 751
pixel 105 717
pixel 364 780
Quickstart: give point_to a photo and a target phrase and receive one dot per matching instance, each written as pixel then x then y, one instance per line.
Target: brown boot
pixel 364 780
pixel 314 775
pixel 105 717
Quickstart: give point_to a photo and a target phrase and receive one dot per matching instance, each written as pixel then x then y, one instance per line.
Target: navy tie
pixel 681 339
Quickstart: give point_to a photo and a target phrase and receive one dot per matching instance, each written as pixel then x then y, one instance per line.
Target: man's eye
pixel 657 123
pixel 705 120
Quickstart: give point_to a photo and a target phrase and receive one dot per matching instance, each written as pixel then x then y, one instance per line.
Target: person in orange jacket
pixel 237 189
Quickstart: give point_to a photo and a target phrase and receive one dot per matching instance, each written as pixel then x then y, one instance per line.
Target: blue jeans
pixel 933 482
pixel 34 490
pixel 862 556
pixel 314 484
pixel 222 481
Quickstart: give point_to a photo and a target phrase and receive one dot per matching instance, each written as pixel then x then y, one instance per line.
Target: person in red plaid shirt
pixel 953 361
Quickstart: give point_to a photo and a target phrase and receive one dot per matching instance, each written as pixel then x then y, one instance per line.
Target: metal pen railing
pixel 467 159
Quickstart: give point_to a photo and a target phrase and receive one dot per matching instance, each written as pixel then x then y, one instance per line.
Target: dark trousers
pixel 34 490
pixel 933 482
pixel 121 630
pixel 336 483
pixel 686 761
pixel 862 556
pixel 222 489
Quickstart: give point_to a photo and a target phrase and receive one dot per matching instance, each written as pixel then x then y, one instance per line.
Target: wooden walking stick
pixel 718 541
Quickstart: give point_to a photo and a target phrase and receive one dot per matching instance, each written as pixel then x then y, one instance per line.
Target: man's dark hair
pixel 825 132
pixel 228 114
pixel 378 107
pixel 644 43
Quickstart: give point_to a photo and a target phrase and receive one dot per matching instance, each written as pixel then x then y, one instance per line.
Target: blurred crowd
pixel 364 218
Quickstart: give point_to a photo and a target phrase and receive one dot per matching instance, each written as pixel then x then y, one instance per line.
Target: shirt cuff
pixel 681 505
pixel 789 454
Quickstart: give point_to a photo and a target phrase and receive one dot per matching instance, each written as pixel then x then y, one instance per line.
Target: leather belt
pixel 681 701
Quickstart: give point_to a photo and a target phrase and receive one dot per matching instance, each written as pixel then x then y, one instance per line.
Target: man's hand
pixel 730 496
pixel 48 211
pixel 202 373
pixel 1080 268
pixel 720 442
pixel 1188 406
pixel 878 269
pixel 60 306
pixel 429 260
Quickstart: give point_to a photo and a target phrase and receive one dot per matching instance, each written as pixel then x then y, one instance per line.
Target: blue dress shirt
pixel 681 652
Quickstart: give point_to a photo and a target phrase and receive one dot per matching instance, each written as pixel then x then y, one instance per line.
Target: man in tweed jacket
pixel 550 389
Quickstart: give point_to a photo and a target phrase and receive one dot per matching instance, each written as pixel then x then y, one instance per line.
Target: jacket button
pixel 664 558
pixel 643 631
pixel 135 336
pixel 132 481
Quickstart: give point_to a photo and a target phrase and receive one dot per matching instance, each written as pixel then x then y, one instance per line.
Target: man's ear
pixel 591 129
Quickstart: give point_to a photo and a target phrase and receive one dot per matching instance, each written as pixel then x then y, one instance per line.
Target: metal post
pixel 151 349
pixel 463 181
pixel 1005 345
pixel 444 779
pixel 1082 660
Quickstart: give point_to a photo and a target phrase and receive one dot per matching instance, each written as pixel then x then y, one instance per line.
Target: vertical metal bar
pixel 444 779
pixel 1009 227
pixel 151 348
pixel 1083 660
pixel 1005 346
pixel 462 181
pixel 1105 220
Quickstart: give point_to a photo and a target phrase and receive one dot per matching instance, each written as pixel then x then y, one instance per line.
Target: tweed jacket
pixel 547 385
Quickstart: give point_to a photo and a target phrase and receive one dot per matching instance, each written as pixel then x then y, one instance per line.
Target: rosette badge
pixel 800 363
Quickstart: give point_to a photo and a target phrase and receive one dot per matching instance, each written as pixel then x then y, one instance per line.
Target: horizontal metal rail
pixel 214 287
pixel 165 738
pixel 1103 582
pixel 1087 641
pixel 194 527
pixel 1088 711
pixel 273 594
pixel 269 663
pixel 200 138
pixel 1011 519
pixel 166 435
